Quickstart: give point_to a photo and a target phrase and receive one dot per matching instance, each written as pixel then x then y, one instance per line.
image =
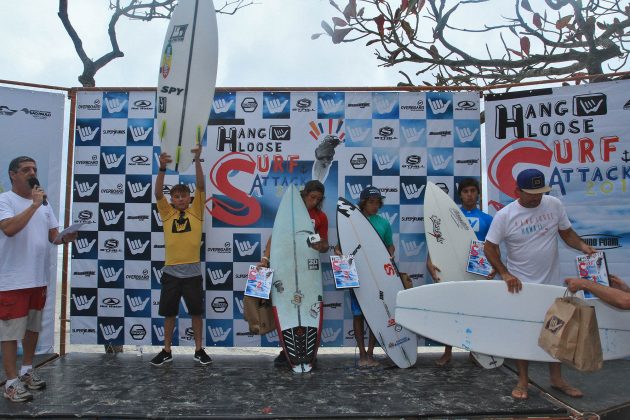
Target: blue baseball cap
pixel 369 192
pixel 532 181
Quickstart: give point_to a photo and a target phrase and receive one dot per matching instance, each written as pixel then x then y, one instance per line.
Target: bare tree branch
pixel 582 37
pixel 145 10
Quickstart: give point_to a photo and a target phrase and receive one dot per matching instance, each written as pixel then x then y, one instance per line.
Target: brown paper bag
pixel 559 334
pixel 588 352
pixel 259 315
pixel 406 280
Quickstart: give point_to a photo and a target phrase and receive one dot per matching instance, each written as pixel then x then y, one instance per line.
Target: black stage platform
pixel 89 385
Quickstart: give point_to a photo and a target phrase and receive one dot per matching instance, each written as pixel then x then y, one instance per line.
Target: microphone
pixel 34 182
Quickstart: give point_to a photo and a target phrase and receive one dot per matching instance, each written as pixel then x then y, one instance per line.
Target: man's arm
pixel 493 254
pixel 433 270
pixel 13 225
pixel 159 180
pixel 574 241
pixel 200 181
pixel 618 295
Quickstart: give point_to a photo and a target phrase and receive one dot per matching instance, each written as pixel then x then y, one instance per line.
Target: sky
pixel 266 44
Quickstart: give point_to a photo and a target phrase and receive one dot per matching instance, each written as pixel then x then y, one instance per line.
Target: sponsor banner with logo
pixel 579 138
pixel 31 123
pixel 256 145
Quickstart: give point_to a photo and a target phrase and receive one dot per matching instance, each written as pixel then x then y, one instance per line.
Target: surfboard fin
pixel 198 136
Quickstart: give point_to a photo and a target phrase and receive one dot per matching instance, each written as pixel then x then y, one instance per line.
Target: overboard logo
pixel 94 106
pixel 602 241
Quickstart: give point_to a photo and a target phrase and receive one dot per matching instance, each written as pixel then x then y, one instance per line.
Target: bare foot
pixel 362 363
pixel 372 362
pixel 567 389
pixel 520 393
pixel 444 360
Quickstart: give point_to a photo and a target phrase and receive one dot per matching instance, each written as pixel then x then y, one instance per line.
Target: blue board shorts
pixel 354 305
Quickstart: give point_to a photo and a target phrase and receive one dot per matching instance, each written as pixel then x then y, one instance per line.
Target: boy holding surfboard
pixel 468 191
pixel 530 227
pixel 181 275
pixel 312 195
pixel 370 202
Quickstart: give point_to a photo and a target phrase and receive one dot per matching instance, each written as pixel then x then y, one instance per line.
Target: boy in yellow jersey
pixel 181 275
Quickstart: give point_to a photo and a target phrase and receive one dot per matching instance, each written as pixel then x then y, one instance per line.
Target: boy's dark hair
pixel 468 182
pixel 179 188
pixel 314 185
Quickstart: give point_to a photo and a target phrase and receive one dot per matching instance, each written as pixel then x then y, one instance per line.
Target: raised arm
pixel 165 158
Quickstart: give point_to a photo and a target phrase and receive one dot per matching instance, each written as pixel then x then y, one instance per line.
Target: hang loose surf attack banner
pixel 257 143
pixel 579 137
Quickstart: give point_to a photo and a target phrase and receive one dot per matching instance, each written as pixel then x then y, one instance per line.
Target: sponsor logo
pixel 279 132
pixel 140 218
pixel 144 276
pixel 83 331
pixel 171 90
pixel 142 104
pixel 5 110
pixel 115 191
pixel 137 331
pixel 413 162
pixel 626 106
pixel 85 215
pixel 398 342
pixel 111 302
pixel 554 324
pixel 87 273
pixel 304 105
pixel 442 133
pixel 459 219
pixel 360 105
pixel 93 162
pixel 179 33
pixel 332 305
pixel 313 263
pixel 358 161
pixel 385 133
pixel 602 241
pixel 467 161
pixel 419 106
pixel 436 233
pixel 466 106
pixel 249 104
pixel 114 131
pixel 139 160
pixel 219 304
pixel 40 115
pixel 589 105
pixel 412 219
pixel 162 104
pixel 95 106
pixel 111 244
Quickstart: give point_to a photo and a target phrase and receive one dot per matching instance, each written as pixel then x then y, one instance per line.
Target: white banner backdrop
pixel 256 145
pixel 31 124
pixel 579 137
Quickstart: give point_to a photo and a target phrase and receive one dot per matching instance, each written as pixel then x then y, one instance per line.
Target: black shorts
pixel 174 288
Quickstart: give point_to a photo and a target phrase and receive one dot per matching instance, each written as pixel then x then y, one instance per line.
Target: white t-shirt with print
pixel 25 257
pixel 531 238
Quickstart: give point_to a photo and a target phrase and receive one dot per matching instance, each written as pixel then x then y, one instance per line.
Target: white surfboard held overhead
pixel 186 80
pixel 482 316
pixel 297 290
pixel 379 283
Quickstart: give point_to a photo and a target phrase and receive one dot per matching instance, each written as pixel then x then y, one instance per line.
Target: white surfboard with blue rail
pixel 297 290
pixel 449 234
pixel 482 316
pixel 379 283
pixel 186 80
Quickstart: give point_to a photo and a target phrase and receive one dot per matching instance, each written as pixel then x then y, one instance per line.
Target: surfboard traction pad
pixel 300 344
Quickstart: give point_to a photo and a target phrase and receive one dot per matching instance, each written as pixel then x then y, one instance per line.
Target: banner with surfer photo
pixel 257 143
pixel 579 137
